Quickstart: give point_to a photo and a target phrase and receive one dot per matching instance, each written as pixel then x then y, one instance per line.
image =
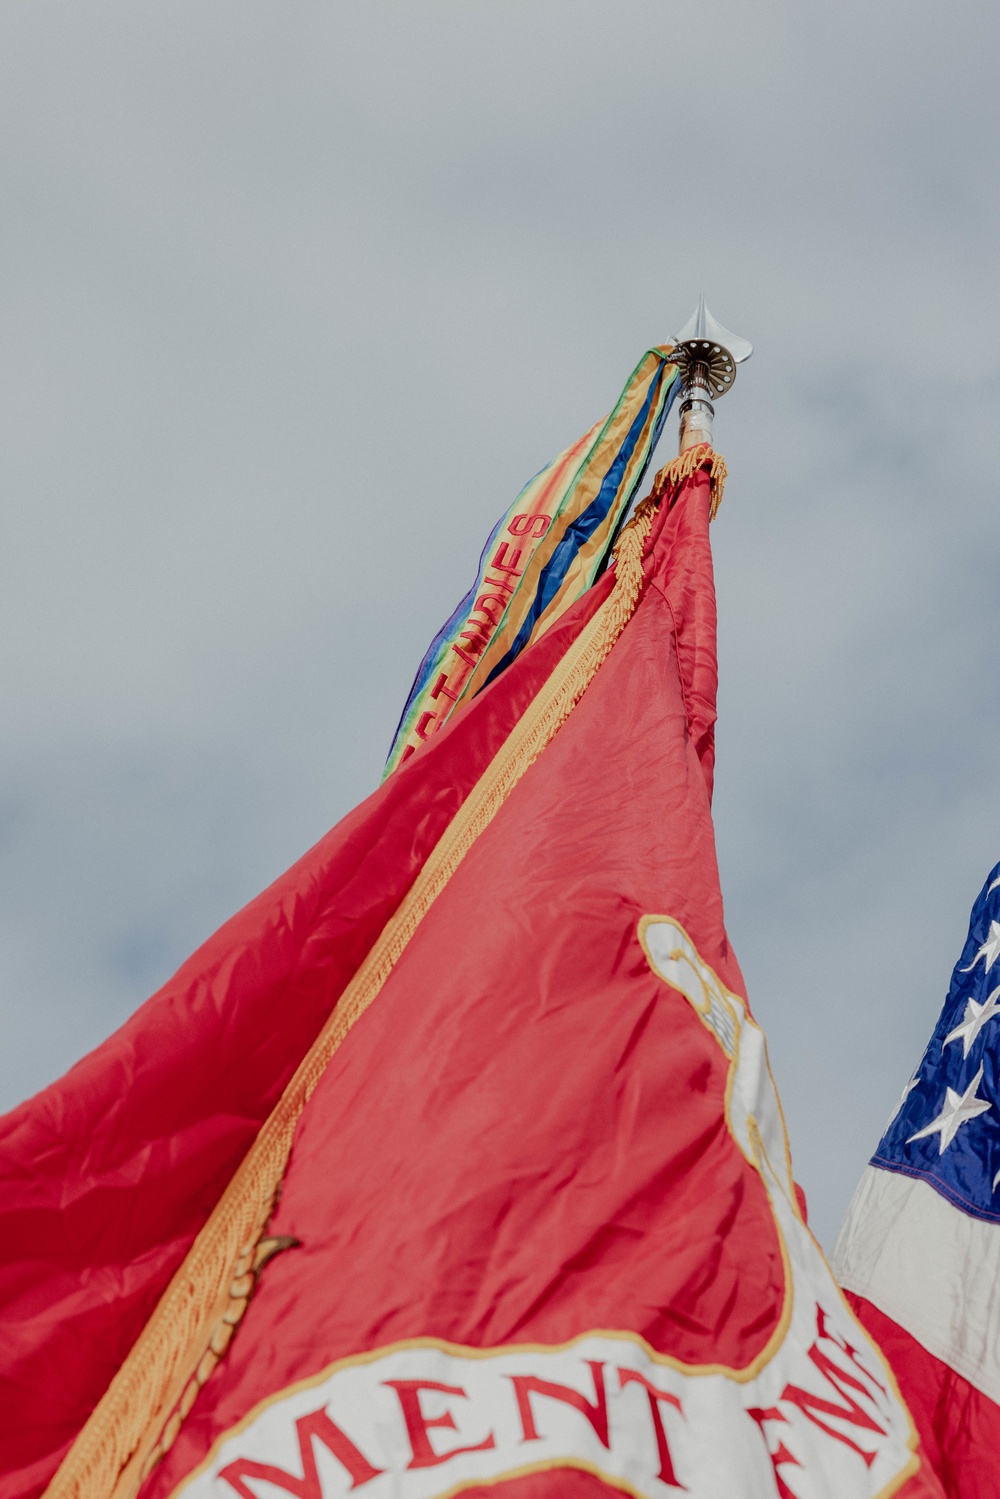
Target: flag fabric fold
pixel 545 552
pixel 919 1250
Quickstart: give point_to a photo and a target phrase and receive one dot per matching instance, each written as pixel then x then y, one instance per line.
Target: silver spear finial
pixel 706 354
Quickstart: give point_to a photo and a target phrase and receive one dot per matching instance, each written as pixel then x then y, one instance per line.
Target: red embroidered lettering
pixel 489 598
pixel 440 687
pixel 469 660
pixel 418 1424
pixel 852 1353
pixel 815 1407
pixel 529 525
pixel 503 564
pixel 843 1381
pixel 423 723
pixel 782 1456
pixel 315 1427
pixel 526 1385
pixel 632 1376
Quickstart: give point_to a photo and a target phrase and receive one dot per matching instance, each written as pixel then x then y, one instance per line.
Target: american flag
pixel 919 1252
pixel 946 1128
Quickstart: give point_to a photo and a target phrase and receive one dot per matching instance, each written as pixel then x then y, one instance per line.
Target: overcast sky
pixel 295 297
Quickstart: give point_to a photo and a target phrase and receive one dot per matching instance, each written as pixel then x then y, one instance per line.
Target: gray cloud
pixel 295 298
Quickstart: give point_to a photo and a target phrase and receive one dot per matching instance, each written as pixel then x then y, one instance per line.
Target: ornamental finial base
pixel 706 355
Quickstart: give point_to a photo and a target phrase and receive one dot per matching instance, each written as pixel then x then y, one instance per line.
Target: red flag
pixel 107 1176
pixel 537 1224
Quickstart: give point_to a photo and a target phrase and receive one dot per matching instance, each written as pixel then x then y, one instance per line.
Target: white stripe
pixel 930 1267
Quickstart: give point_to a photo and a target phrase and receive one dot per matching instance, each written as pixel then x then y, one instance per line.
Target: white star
pixel 958 1110
pixel 976 1016
pixel 990 949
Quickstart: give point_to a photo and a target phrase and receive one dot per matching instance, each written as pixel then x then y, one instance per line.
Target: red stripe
pixel 959 1426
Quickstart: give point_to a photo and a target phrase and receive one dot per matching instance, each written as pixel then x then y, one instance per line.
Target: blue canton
pixel 946 1129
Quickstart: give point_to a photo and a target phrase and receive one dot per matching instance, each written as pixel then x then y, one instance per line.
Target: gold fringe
pixel 142 1410
pixel 246 1272
pixel 688 463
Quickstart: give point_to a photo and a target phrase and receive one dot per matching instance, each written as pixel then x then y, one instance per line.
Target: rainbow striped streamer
pixel 542 554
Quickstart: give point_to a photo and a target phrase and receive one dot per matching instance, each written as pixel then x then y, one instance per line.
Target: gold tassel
pixel 688 463
pixel 142 1410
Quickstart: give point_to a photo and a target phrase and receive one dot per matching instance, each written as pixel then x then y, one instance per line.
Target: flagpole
pixel 706 354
